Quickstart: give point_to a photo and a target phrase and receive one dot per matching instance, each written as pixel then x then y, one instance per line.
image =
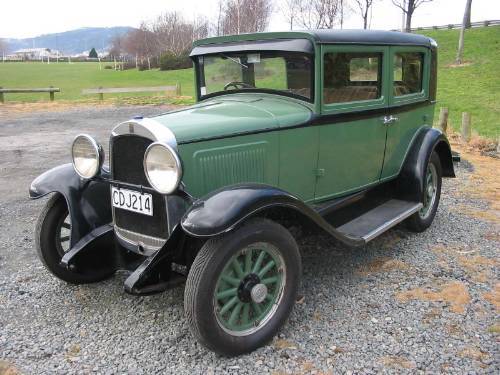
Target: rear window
pixel 351 77
pixel 408 68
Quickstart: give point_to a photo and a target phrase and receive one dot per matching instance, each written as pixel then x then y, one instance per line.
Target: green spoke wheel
pixel 261 276
pixel 242 287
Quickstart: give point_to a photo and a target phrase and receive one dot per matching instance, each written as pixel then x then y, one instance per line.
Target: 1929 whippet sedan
pixel 327 130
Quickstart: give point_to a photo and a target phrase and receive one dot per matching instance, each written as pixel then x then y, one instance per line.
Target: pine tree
pixel 93 53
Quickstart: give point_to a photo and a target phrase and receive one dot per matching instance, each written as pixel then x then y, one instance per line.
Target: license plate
pixel 132 201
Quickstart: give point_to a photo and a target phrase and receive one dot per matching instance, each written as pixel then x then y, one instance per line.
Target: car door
pixel 408 101
pixel 352 134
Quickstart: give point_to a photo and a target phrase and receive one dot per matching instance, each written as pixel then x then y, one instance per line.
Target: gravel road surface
pixel 406 303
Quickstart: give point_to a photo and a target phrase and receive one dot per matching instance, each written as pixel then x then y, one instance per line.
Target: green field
pixel 473 87
pixel 72 78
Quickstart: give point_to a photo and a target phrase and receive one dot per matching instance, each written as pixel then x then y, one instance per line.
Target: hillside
pixel 73 41
pixel 475 85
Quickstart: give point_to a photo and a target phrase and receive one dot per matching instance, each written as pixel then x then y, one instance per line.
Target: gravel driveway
pixel 405 303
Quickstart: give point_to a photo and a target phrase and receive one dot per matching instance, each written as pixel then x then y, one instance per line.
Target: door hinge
pixel 320 172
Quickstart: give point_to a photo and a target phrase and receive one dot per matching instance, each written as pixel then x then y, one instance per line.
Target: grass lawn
pixel 72 78
pixel 473 87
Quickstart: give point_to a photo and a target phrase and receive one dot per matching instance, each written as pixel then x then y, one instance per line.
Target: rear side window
pixel 408 68
pixel 351 77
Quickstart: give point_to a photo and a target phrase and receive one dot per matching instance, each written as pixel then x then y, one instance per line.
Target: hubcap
pixel 430 191
pixel 249 289
pixel 63 235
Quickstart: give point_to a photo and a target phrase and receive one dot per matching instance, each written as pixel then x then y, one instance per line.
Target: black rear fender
pixel 427 140
pixel 89 201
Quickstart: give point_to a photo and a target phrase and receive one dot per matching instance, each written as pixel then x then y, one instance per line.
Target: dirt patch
pixel 384 264
pixel 397 362
pixel 455 294
pixel 7 368
pixel 284 344
pixel 484 182
pixel 473 353
pixel 493 297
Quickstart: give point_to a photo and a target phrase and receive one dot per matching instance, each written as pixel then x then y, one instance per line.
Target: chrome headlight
pixel 162 167
pixel 87 156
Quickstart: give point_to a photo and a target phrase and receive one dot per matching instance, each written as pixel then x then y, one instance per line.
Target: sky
pixel 28 18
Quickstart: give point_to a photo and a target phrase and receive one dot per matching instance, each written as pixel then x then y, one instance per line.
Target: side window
pixel 350 77
pixel 408 68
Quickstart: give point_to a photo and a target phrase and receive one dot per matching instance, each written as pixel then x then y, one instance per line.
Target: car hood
pixel 234 114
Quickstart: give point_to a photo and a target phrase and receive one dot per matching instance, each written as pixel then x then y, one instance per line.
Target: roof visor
pixel 289 45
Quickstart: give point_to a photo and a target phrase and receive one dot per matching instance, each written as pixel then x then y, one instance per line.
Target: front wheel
pixel 432 179
pixel 53 238
pixel 242 286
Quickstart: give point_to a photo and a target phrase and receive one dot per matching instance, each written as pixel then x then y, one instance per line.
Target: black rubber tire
pixel 203 276
pixel 416 223
pixel 45 242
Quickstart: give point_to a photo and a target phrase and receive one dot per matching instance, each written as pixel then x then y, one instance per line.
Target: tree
pixel 93 53
pixel 289 10
pixel 408 7
pixel 245 16
pixel 4 48
pixel 364 9
pixel 465 22
pixel 116 49
pixel 316 14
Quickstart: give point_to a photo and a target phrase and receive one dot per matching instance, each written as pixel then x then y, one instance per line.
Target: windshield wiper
pixel 234 60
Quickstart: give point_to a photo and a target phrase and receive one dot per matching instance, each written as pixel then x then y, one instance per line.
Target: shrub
pixel 169 61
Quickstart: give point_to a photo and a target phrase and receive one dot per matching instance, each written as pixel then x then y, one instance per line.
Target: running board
pixel 378 220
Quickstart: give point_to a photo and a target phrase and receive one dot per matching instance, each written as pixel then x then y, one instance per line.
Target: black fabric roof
pixel 370 37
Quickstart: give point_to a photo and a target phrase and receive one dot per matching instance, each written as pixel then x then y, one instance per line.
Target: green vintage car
pixel 321 130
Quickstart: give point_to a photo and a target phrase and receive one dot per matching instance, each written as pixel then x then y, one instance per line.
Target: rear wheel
pixel 242 286
pixel 432 178
pixel 53 239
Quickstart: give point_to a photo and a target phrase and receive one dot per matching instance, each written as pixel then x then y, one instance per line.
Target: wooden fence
pixel 456 25
pixel 114 90
pixel 51 90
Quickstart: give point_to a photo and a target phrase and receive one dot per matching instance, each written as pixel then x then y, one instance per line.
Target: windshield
pixel 288 73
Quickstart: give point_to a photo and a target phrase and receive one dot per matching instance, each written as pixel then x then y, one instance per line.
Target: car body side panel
pixel 298 161
pixel 213 164
pixel 401 134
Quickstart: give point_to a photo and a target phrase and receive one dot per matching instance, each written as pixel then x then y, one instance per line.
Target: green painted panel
pixel 213 164
pixel 351 155
pixel 401 132
pixel 234 113
pixel 400 135
pixel 298 161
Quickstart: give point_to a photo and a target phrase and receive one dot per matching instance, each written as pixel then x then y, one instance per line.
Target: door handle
pixel 388 120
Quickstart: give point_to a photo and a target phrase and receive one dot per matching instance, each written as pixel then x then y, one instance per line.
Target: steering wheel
pixel 235 84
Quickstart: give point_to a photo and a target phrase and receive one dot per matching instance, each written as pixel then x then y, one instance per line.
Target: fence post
pixel 2 100
pixel 178 90
pixel 101 95
pixel 51 94
pixel 443 119
pixel 466 126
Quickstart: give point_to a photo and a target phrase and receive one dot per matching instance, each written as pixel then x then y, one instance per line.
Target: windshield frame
pixel 198 75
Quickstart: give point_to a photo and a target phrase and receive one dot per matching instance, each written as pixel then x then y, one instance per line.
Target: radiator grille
pixel 127 155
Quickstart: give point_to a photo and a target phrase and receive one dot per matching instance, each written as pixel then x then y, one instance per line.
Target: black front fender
pixel 222 210
pixel 89 201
